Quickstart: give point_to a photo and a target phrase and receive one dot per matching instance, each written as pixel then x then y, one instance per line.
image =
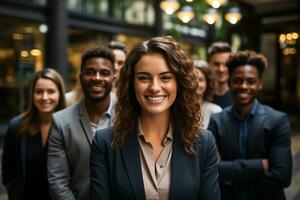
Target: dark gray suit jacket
pixel 68 154
pixel 244 178
pixel 117 174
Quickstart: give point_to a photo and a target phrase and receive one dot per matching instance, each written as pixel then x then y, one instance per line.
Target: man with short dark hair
pixel 74 127
pixel 253 139
pixel 218 54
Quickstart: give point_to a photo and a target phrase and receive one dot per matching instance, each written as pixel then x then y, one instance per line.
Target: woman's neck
pixel 45 118
pixel 155 126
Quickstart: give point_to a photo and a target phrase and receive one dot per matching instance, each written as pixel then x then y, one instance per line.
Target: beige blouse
pixel 156 175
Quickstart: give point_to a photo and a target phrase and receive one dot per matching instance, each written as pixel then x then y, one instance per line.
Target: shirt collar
pixel 168 136
pixel 251 114
pixel 111 108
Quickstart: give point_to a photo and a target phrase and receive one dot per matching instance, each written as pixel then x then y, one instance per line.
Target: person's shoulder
pixel 271 112
pixel 213 108
pixel 15 120
pixel 104 134
pixel 223 113
pixel 205 137
pixel 66 112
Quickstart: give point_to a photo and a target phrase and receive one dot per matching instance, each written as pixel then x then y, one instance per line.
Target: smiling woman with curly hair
pixel 156 149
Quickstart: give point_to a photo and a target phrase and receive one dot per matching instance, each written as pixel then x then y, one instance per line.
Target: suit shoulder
pixel 15 121
pixel 224 113
pixel 206 137
pixel 104 134
pixel 65 113
pixel 272 113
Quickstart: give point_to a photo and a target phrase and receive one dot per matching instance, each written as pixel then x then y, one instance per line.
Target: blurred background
pixel 54 33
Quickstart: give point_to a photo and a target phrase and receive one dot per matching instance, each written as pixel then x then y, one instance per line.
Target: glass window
pixel 21 54
pixel 139 12
pixel 91 7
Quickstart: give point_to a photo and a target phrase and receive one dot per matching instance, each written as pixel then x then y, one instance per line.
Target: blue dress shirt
pixel 244 128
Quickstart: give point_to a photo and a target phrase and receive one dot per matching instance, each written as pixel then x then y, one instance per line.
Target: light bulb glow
pixel 169 6
pixel 35 52
pixel 24 54
pixel 186 14
pixel 211 16
pixel 233 15
pixel 215 4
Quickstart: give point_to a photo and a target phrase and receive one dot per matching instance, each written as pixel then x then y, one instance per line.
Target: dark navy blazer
pixel 14 160
pixel 117 174
pixel 244 178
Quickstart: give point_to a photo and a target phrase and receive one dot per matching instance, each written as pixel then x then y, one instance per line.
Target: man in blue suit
pixel 253 139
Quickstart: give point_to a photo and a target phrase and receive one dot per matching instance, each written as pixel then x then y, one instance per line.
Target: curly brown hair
pixel 185 111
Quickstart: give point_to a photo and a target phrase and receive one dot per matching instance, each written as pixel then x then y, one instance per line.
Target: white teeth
pixel 156 99
pixel 96 88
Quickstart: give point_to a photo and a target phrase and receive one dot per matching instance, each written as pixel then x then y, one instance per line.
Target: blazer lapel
pixel 232 132
pixel 257 123
pixel 131 157
pixel 180 160
pixel 85 122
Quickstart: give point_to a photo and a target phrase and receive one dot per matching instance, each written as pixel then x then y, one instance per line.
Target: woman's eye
pixel 166 78
pixel 143 78
pixel 38 91
pixel 51 91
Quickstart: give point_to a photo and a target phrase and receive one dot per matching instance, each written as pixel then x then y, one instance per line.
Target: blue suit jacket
pixel 117 174
pixel 269 138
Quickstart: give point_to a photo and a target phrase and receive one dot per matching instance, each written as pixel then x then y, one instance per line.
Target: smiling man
pixel 253 139
pixel 74 128
pixel 218 54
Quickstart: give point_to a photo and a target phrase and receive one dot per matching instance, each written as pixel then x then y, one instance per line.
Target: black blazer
pixel 14 160
pixel 269 138
pixel 117 174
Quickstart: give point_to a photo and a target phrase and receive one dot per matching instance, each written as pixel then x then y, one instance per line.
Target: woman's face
pixel 45 96
pixel 202 85
pixel 155 85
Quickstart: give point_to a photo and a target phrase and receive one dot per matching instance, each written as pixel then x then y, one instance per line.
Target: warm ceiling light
pixel 282 38
pixel 289 36
pixel 295 35
pixel 186 14
pixel 17 36
pixel 24 53
pixel 35 52
pixel 216 3
pixel 289 51
pixel 211 16
pixel 169 6
pixel 189 0
pixel 233 16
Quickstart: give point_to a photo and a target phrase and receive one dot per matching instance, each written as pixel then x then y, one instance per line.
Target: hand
pixel 265 163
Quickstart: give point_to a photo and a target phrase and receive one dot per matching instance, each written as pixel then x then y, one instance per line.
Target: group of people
pixel 150 124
